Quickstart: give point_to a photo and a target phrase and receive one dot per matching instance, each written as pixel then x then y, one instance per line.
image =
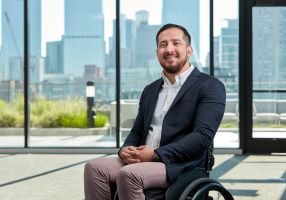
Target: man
pixel 178 117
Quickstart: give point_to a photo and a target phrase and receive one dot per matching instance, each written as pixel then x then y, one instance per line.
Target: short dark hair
pixel 168 26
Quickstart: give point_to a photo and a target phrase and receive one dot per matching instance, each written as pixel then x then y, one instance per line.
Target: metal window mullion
pixel 117 71
pixel 211 39
pixel 245 75
pixel 25 62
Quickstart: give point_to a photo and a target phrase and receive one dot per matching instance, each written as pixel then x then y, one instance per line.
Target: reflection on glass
pixel 269 72
pixel 11 74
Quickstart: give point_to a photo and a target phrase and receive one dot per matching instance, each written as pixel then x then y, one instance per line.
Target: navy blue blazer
pixel 189 126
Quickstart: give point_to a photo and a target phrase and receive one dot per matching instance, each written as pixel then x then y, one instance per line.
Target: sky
pixel 53 18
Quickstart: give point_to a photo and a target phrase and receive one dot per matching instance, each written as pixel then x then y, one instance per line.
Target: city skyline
pixel 84 34
pixel 84 30
pixel 53 24
pixel 128 8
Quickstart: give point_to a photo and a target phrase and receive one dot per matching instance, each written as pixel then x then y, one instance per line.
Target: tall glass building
pixel 270 30
pixel 12 33
pixel 187 14
pixel 83 40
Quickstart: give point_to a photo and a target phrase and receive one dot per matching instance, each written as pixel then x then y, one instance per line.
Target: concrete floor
pixel 60 176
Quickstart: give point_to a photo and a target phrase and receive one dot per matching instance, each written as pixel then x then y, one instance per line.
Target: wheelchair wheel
pixel 205 189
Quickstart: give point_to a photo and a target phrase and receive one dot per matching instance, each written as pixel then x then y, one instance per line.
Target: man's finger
pixel 141 147
pixel 134 153
pixel 132 160
pixel 131 148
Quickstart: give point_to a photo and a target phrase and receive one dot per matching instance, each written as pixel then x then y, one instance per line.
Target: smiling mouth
pixel 169 57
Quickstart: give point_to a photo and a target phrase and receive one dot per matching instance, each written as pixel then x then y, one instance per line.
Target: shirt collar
pixel 180 78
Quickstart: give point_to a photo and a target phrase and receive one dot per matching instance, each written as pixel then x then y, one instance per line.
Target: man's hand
pixel 145 153
pixel 130 155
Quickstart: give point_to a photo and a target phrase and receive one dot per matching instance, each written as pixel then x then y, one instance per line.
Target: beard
pixel 174 69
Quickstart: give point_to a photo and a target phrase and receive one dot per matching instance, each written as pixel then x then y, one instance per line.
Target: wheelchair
pixel 196 185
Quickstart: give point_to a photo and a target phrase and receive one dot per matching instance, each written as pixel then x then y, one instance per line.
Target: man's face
pixel 173 51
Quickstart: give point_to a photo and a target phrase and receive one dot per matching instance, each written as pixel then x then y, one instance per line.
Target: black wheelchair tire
pixel 200 186
pixel 212 187
pixel 191 189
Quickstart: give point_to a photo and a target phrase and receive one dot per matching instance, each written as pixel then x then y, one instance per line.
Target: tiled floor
pixel 60 176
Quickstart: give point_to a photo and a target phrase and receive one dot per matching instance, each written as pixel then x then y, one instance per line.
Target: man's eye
pixel 162 45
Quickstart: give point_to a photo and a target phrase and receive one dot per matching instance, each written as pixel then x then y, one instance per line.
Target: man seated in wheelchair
pixel 177 120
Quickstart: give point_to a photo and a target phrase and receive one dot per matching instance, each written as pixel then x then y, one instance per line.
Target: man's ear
pixel 189 50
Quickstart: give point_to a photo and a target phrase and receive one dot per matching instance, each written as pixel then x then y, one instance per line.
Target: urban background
pixel 85 52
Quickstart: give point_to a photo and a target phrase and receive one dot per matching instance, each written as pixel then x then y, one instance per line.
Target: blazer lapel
pixel 153 101
pixel 188 83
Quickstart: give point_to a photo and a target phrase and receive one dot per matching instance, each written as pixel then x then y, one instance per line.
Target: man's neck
pixel 172 77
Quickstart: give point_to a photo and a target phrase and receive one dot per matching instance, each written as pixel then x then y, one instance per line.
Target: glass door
pixel 268 79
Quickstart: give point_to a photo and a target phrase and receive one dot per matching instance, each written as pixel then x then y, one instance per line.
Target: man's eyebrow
pixel 176 40
pixel 163 41
pixel 173 40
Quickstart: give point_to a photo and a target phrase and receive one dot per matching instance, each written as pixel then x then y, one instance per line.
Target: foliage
pixel 233 124
pixel 19 104
pixel 70 113
pixel 71 120
pixel 39 106
pixel 7 118
pixel 3 105
pixel 100 120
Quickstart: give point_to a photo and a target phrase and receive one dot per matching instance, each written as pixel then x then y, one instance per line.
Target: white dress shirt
pixel 166 97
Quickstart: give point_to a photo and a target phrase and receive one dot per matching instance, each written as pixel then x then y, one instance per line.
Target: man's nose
pixel 169 48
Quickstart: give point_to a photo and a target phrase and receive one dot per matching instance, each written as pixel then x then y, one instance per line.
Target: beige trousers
pixel 130 179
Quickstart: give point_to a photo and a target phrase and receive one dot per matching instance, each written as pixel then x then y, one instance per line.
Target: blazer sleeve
pixel 207 119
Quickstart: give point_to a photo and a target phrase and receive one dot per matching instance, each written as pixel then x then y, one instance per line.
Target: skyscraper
pixel 145 48
pixel 54 58
pixel 187 14
pixel 127 40
pixel 269 47
pixel 12 30
pixel 142 17
pixel 228 46
pixel 83 40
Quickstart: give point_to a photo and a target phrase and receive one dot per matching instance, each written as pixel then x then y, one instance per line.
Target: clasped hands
pixel 131 154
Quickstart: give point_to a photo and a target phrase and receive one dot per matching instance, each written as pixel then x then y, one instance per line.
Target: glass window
pixel 67 60
pixel 269 72
pixel 139 23
pixel 72 48
pixel 226 68
pixel 11 74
